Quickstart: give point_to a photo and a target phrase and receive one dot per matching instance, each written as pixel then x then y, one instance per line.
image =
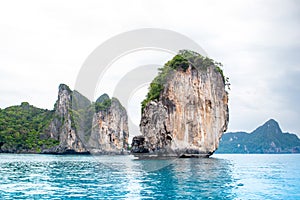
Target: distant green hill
pixel 267 138
pixel 23 128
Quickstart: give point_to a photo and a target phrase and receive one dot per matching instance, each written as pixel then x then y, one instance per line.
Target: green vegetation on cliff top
pixel 181 61
pixel 103 103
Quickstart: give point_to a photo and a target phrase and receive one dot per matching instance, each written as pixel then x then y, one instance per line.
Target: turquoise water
pixel 123 177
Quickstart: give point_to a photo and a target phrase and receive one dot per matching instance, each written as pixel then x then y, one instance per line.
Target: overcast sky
pixel 44 43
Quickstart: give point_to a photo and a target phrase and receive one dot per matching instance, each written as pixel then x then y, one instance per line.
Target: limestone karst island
pixel 184 114
pixel 186 109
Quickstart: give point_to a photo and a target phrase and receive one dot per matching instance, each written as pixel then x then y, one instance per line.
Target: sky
pixel 45 43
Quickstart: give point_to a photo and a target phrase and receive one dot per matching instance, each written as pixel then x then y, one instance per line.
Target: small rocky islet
pixel 184 114
pixel 84 127
pixel 186 109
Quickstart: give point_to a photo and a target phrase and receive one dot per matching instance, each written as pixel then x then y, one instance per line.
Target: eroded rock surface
pixel 85 127
pixel 63 127
pixel 190 115
pixel 110 127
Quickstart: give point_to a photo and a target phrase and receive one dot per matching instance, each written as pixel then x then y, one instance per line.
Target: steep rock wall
pixel 110 127
pixel 190 116
pixel 62 126
pixel 85 127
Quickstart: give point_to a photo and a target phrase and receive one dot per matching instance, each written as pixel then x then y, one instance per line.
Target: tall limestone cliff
pixel 85 127
pixel 110 126
pixel 63 127
pixel 186 110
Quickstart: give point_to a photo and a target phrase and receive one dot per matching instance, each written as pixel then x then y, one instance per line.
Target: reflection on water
pixel 193 178
pixel 123 177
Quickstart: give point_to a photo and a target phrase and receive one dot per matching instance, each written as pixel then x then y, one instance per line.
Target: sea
pixel 222 176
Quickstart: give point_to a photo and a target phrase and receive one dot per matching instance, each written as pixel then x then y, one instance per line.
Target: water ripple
pixel 123 177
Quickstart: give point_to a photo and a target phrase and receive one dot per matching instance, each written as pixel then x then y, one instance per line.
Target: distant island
pixel 74 126
pixel 267 138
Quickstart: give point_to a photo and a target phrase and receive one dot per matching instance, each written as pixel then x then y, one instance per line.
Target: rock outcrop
pixel 63 127
pixel 190 114
pixel 110 127
pixel 85 127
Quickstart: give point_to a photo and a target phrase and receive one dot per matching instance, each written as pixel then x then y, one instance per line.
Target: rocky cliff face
pixel 190 114
pixel 62 127
pixel 85 127
pixel 110 127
